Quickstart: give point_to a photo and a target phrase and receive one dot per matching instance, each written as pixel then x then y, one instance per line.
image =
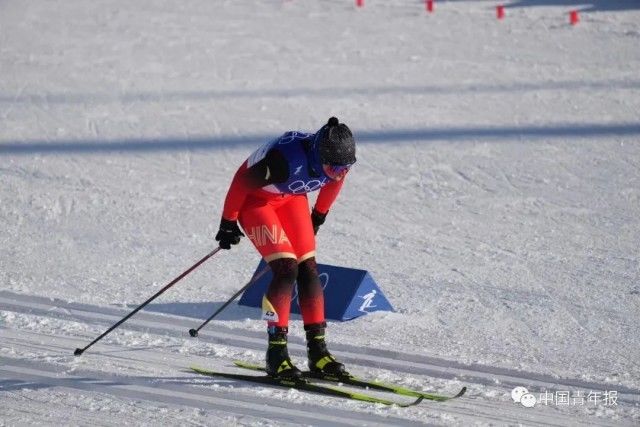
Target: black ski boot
pixel 320 360
pixel 278 361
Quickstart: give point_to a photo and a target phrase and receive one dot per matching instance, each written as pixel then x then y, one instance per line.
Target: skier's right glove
pixel 229 233
pixel 317 219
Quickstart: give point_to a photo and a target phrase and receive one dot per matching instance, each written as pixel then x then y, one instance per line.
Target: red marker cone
pixel 360 3
pixel 500 12
pixel 574 18
pixel 428 4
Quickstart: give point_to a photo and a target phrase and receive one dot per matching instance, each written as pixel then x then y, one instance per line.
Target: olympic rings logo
pixel 301 187
pixel 324 281
pixel 292 136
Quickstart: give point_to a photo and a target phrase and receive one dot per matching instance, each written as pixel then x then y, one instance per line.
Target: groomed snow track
pixel 39 336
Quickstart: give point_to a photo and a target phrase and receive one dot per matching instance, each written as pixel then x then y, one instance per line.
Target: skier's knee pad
pixel 309 284
pixel 285 270
pixel 308 270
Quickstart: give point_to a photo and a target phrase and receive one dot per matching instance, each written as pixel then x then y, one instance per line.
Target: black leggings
pixel 286 271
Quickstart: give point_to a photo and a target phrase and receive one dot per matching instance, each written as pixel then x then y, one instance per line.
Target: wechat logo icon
pixel 521 395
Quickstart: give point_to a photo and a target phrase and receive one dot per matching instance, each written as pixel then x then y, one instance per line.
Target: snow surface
pixel 495 201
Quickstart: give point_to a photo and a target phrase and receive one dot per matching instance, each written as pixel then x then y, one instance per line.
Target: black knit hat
pixel 336 144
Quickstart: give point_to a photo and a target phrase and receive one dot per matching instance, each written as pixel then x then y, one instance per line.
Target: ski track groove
pixel 470 407
pixel 378 358
pixel 189 383
pixel 147 389
pixel 104 382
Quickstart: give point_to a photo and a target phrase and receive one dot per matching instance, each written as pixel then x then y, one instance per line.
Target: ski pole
pixel 79 351
pixel 194 332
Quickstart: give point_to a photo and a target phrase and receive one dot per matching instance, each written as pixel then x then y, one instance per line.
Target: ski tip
pixel 417 401
pixel 462 391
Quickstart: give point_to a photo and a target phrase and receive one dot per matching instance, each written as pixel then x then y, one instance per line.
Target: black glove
pixel 229 233
pixel 317 219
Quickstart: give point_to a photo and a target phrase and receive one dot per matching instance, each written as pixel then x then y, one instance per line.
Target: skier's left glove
pixel 229 233
pixel 317 219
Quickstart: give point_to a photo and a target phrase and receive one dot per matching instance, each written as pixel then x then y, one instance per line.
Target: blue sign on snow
pixel 348 293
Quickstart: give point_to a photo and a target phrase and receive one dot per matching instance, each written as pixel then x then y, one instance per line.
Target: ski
pixel 359 382
pixel 303 385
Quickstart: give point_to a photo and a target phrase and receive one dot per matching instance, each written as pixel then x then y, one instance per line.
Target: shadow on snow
pixel 202 310
pixel 450 134
pixel 586 5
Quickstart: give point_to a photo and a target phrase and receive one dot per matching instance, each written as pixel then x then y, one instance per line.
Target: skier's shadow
pixel 202 310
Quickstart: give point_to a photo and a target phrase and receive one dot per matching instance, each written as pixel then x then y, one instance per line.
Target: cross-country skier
pixel 268 196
